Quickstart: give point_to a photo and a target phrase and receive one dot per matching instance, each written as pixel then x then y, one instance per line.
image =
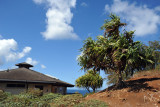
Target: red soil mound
pixel 141 91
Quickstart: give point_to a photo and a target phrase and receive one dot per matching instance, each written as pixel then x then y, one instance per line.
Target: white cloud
pixel 59 18
pixel 31 61
pixel 8 51
pixel 84 4
pixel 38 1
pixel 43 66
pixel 157 8
pixel 51 76
pixel 140 18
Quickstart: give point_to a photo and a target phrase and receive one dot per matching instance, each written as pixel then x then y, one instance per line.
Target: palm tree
pixel 115 52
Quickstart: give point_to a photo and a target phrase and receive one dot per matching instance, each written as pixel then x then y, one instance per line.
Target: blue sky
pixel 49 33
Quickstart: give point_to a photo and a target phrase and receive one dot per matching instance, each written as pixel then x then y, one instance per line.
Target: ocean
pixel 83 92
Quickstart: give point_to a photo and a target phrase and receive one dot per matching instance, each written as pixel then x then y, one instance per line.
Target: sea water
pixel 83 92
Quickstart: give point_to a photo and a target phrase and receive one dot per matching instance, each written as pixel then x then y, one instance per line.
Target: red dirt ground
pixel 141 91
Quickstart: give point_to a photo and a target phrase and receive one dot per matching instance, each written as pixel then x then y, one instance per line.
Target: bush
pixel 67 100
pixel 16 101
pixel 24 101
pixel 50 97
pixel 29 99
pixel 4 95
pixel 33 99
pixel 92 103
pixel 35 92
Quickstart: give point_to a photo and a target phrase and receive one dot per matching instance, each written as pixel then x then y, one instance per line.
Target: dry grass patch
pixel 152 73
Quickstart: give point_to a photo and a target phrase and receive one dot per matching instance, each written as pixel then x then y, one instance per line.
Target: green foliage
pixel 67 100
pixel 47 100
pixel 4 95
pixel 112 26
pixel 158 67
pixel 91 79
pixel 113 77
pixel 115 52
pixel 21 101
pixel 29 99
pixel 50 97
pixel 34 92
pixel 155 45
pixel 92 103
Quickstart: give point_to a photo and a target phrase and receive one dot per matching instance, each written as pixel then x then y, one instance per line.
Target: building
pixel 22 78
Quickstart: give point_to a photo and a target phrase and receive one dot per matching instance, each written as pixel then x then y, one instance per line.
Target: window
pixel 60 89
pixel 16 85
pixel 39 86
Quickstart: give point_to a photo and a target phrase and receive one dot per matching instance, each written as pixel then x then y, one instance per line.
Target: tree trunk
pixel 88 89
pixel 94 89
pixel 120 83
pixel 132 72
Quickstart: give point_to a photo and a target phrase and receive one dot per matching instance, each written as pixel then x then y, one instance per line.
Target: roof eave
pixel 46 82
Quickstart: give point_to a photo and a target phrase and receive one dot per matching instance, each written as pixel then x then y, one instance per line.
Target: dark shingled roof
pixel 27 75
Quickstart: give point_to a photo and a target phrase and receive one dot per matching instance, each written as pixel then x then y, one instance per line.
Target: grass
pixel 92 103
pixel 68 100
pixel 153 72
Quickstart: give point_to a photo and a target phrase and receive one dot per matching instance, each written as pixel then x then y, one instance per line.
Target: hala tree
pixel 91 79
pixel 114 51
pixel 155 45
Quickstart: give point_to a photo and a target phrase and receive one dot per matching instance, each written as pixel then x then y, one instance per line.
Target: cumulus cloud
pixel 84 4
pixel 31 61
pixel 43 66
pixel 59 18
pixel 140 18
pixel 8 51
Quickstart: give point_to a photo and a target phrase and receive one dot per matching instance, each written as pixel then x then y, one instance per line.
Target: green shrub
pixel 67 100
pixel 35 92
pixel 23 101
pixel 29 99
pixel 33 99
pixel 4 95
pixel 50 97
pixel 16 101
pixel 39 103
pixel 92 103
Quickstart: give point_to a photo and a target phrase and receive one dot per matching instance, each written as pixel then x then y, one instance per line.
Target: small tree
pixel 91 79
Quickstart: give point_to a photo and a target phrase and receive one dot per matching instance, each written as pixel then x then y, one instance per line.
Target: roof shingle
pixel 28 75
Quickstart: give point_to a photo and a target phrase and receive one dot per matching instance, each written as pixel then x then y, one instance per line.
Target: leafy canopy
pixel 91 79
